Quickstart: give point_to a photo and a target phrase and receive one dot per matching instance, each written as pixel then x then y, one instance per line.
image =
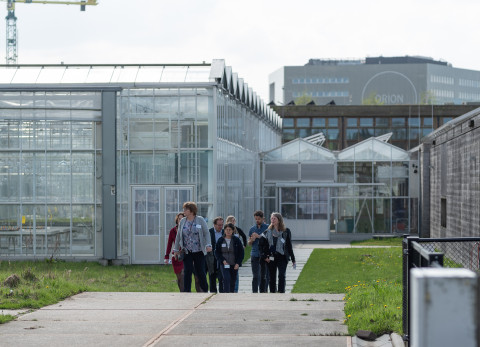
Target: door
pixel 153 215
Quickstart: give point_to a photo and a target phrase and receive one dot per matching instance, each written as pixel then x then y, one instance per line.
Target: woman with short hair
pixel 193 238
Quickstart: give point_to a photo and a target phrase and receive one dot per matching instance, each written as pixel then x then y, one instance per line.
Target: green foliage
pixel 6 318
pixel 375 306
pixel 303 99
pixel 372 100
pixel 371 279
pixel 48 282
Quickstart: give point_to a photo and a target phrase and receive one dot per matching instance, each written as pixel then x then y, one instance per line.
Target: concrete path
pixel 183 319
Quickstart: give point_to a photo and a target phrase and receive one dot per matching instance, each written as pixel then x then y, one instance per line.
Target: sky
pixel 255 37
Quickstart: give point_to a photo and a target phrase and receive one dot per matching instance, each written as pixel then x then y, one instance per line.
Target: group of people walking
pixel 219 251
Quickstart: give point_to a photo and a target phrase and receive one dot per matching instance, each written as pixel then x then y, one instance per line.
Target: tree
pixel 303 99
pixel 372 100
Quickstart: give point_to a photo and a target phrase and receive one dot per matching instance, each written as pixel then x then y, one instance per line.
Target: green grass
pixel 371 279
pixel 44 282
pixel 387 241
pixel 47 282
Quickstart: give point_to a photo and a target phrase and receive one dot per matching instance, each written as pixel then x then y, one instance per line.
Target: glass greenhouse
pixel 96 160
pixel 362 189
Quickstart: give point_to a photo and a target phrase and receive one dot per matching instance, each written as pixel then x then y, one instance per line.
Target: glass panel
pixel 398 122
pixel 333 122
pixel 318 122
pixel 9 134
pixel 153 200
pixel 304 195
pixel 149 74
pixel 198 74
pixel 289 211
pixel 125 74
pixel 83 230
pixel 345 172
pixel 26 75
pixel 366 122
pixel 332 134
pixel 363 172
pixel 58 176
pixel 427 121
pixel 304 211
pixel 140 200
pixel 288 122
pixel 363 216
pixel 381 122
pixel 140 224
pixel 303 122
pixel 174 74
pixel 304 132
pixel 414 122
pixel 153 225
pixel 100 74
pixel 51 75
pixel 289 195
pixel 352 122
pixel 75 75
pixel 382 221
pixel 6 74
pixel 352 134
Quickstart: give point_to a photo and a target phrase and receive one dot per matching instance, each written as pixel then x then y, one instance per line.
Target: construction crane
pixel 11 56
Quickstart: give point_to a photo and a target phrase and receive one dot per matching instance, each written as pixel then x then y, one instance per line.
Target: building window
pixel 303 122
pixel 352 122
pixel 427 122
pixel 318 122
pixel 366 122
pixel 398 122
pixel 413 122
pixel 446 119
pixel 288 122
pixel 443 212
pixel 333 122
pixel 381 122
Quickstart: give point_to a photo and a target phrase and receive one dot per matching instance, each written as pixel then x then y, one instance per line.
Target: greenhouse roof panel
pixel 300 150
pixel 373 149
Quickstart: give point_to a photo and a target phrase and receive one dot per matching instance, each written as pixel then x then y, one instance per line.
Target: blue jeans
pixel 229 278
pixel 194 260
pixel 259 272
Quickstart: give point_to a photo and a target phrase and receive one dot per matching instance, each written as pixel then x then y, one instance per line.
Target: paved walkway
pixel 179 319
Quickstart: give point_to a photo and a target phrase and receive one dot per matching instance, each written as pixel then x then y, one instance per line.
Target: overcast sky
pixel 255 37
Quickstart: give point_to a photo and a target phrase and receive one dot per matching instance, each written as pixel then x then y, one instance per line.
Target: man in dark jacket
pixel 213 267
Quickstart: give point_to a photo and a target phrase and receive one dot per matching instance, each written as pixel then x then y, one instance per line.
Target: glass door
pixel 146 224
pixel 153 215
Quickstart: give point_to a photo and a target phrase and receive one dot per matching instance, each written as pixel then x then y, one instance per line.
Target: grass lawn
pixel 371 279
pixel 46 282
pixel 387 241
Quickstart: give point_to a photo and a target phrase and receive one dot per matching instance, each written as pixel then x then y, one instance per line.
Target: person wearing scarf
pixel 276 249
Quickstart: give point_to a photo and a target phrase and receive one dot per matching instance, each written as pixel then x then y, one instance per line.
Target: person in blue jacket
pixel 229 253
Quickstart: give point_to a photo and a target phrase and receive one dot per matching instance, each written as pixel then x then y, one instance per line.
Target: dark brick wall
pixel 461 179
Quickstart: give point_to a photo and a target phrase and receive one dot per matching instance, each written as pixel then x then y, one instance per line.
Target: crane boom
pixel 11 31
